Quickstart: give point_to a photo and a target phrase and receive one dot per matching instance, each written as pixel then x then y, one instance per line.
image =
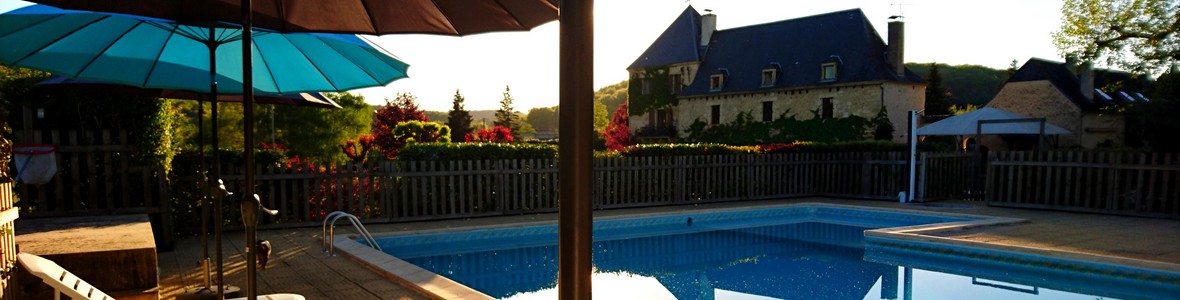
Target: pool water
pixel 794 258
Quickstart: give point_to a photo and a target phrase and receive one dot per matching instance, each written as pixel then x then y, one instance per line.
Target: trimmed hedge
pixel 475 151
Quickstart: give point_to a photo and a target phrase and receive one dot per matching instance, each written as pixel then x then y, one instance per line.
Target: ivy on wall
pixel 746 131
pixel 660 95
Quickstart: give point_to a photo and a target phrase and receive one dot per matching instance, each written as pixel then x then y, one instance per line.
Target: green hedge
pixel 475 151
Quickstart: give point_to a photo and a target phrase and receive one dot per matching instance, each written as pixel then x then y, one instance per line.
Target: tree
pixel 459 119
pixel 506 116
pixel 618 133
pixel 937 102
pixel 314 133
pixel 600 116
pixel 543 118
pixel 1140 35
pixel 401 109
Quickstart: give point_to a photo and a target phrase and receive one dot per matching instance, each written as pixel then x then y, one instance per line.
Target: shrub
pixel 476 151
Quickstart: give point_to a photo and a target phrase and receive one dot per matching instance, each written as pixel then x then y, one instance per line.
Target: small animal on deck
pixel 263 253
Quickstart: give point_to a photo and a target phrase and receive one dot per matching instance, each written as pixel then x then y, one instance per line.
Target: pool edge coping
pixel 440 287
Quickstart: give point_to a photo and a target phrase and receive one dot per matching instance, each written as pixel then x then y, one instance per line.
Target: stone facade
pixel 1041 99
pixel 860 99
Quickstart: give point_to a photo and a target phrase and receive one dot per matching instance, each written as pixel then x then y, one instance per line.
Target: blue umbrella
pixel 154 53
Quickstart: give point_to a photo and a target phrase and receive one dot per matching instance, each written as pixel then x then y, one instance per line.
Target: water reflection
pixel 800 261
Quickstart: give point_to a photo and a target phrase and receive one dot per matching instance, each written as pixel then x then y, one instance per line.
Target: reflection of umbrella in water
pixel 156 53
pixel 446 17
pixel 58 82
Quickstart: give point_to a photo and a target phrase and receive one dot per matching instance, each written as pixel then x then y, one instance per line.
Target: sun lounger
pixel 65 283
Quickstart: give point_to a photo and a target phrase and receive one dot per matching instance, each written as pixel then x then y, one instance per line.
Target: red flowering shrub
pixel 365 142
pixel 617 133
pixel 399 110
pixel 498 134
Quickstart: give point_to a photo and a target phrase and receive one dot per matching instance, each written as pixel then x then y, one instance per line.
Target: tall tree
pixel 1136 34
pixel 937 102
pixel 601 116
pixel 314 133
pixel 543 118
pixel 459 119
pixel 618 133
pixel 506 116
pixel 401 109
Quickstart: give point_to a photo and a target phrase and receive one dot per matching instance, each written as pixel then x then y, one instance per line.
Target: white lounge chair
pixel 66 283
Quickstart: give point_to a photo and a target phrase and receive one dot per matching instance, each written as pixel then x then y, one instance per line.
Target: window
pixel 767 111
pixel 769 77
pixel 664 117
pixel 827 108
pixel 645 86
pixel 829 72
pixel 716 82
pixel 677 84
pixel 715 115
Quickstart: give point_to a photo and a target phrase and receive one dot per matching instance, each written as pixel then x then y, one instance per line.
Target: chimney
pixel 897 46
pixel 708 26
pixel 1086 80
pixel 1071 64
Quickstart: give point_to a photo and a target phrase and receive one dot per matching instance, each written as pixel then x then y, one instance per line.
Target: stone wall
pixel 1041 99
pixel 863 99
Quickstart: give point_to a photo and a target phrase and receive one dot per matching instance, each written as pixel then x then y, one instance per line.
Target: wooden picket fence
pixel 95 175
pixel 950 176
pixel 8 215
pixel 425 190
pixel 1143 184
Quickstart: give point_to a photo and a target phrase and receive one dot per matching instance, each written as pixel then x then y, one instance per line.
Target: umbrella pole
pixel 575 174
pixel 218 210
pixel 249 216
pixel 203 191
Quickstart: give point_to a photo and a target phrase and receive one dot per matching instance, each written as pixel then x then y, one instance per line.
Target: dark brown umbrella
pixel 445 17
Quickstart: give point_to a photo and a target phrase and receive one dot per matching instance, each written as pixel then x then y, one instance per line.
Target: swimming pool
pixel 792 252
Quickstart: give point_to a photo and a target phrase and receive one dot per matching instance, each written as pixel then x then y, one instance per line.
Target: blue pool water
pixel 781 253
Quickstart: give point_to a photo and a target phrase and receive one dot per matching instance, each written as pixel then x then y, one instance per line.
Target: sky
pixel 955 32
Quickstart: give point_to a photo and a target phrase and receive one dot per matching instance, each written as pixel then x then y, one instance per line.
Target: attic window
pixel 769 77
pixel 677 83
pixel 828 72
pixel 716 82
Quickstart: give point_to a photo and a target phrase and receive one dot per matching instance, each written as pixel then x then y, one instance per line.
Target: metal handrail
pixel 329 228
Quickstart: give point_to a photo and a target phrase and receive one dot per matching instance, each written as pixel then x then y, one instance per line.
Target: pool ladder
pixel 328 243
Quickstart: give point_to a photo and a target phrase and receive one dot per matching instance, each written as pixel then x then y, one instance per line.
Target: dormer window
pixel 828 72
pixel 716 82
pixel 769 77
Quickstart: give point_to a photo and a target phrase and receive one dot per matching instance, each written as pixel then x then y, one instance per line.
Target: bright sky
pixel 956 32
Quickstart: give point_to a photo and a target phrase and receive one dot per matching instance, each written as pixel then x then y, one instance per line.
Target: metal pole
pixel 248 144
pixel 218 211
pixel 575 220
pixel 913 141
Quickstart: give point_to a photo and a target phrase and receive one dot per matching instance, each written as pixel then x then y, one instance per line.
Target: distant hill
pixel 968 84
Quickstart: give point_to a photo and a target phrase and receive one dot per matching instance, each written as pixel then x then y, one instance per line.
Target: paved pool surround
pixel 901 231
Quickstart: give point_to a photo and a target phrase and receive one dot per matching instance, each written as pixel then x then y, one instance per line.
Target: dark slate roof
pixel 1126 87
pixel 799 46
pixel 679 43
